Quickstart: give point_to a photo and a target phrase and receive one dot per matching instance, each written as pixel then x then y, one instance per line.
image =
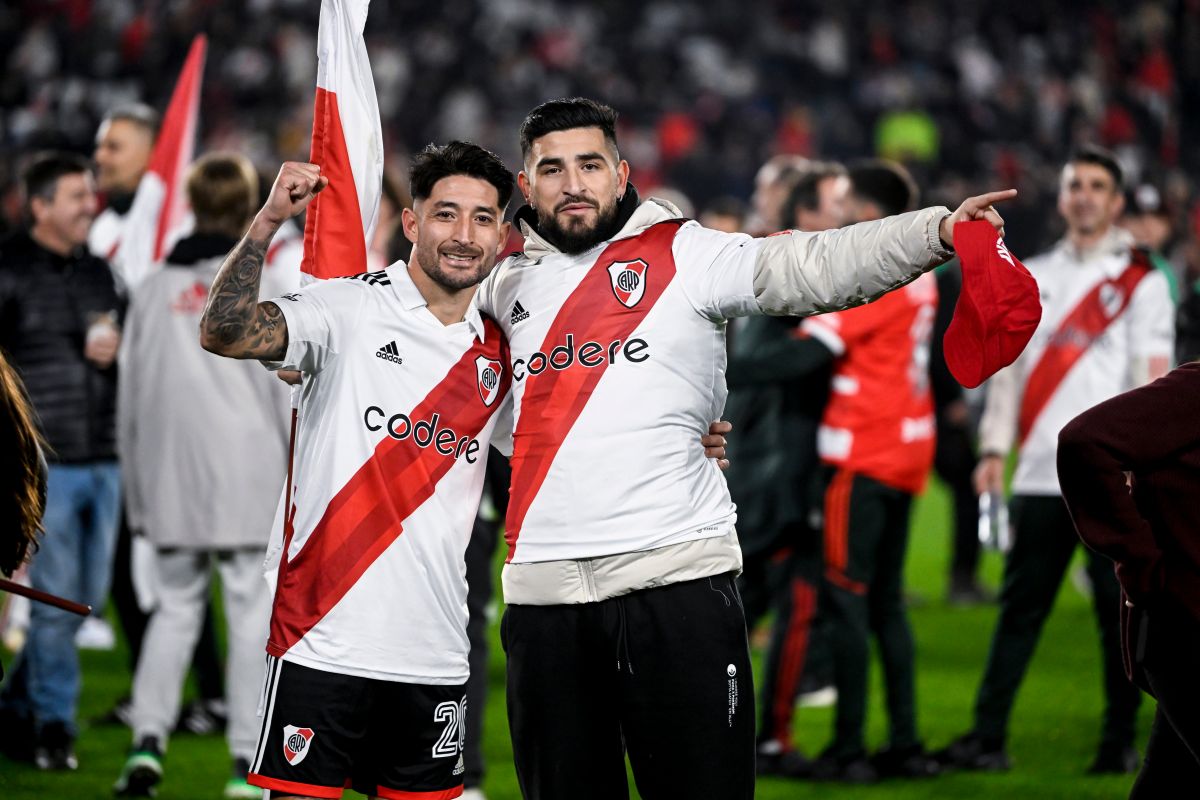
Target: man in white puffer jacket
pixel 203 442
pixel 624 631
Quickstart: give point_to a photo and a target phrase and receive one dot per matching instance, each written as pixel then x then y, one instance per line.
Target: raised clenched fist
pixel 294 188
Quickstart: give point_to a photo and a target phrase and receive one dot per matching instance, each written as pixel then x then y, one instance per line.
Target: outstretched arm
pixel 797 274
pixel 234 323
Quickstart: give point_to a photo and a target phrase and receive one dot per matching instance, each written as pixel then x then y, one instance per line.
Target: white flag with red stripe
pixel 159 216
pixel 347 143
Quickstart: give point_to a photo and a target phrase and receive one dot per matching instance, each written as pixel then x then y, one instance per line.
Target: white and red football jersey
pixel 1101 311
pixel 879 419
pixel 618 367
pixel 395 418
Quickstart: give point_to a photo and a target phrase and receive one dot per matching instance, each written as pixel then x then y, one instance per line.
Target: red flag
pixel 159 215
pixel 347 143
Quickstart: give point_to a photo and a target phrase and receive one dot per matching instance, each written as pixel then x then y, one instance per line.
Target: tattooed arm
pixel 234 323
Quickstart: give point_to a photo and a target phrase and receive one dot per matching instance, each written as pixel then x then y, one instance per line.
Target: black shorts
pixel 324 732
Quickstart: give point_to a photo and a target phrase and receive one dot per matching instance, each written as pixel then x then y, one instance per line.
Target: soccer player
pixel 1107 326
pixel 624 628
pixel 368 646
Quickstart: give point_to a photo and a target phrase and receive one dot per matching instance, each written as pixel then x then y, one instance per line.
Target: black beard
pixel 428 261
pixel 578 240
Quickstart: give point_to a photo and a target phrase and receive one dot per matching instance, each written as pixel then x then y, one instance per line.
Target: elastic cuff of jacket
pixel 933 235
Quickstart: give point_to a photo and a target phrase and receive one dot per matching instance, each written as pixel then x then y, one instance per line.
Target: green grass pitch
pixel 1054 730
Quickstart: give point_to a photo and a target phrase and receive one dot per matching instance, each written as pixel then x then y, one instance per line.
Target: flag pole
pixel 12 587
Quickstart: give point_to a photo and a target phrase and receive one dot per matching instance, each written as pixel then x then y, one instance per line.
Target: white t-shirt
pixel 395 417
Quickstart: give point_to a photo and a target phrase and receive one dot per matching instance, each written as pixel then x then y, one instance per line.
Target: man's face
pixel 457 231
pixel 574 181
pixel 833 206
pixel 1088 198
pixel 68 215
pixel 122 153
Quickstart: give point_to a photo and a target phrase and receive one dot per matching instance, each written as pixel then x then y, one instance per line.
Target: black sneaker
pixel 969 593
pixel 974 752
pixel 142 771
pixel 853 768
pixel 54 749
pixel 16 735
pixel 782 763
pixel 905 762
pixel 1115 760
pixel 203 717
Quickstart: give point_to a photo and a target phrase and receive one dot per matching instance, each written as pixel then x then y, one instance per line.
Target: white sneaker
pixel 824 697
pixel 474 793
pixel 95 634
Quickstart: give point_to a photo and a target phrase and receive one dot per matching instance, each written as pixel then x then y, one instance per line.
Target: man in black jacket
pixel 59 315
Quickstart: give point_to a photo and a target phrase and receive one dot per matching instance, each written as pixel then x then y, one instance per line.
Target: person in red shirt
pixel 876 441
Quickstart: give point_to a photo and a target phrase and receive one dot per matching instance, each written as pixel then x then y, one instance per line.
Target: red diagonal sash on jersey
pixel 554 399
pixel 365 516
pixel 1094 313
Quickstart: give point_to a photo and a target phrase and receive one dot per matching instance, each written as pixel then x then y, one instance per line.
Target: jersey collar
pixel 411 299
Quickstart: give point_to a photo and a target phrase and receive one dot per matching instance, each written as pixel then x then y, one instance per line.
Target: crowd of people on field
pixel 839 419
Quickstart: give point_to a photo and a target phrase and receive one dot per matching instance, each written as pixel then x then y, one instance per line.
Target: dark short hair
pixel 139 114
pixel 886 184
pixel 567 114
pixel 458 158
pixel 726 206
pixel 806 192
pixel 40 178
pixel 1091 154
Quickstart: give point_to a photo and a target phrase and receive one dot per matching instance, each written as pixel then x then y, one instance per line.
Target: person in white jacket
pixel 203 441
pixel 624 631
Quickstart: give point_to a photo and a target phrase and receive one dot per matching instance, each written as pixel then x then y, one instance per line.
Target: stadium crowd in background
pixel 961 104
pixel 705 98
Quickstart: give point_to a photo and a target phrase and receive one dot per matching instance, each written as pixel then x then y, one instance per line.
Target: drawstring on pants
pixel 622 639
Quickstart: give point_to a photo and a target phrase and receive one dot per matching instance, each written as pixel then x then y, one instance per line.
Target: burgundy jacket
pixel 1152 531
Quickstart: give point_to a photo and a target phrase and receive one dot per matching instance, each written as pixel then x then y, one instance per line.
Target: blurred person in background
pixel 1130 470
pixel 772 184
pixel 876 442
pixel 203 443
pixel 778 384
pixel 954 456
pixel 124 144
pixel 123 147
pixel 59 323
pixel 1107 326
pixel 1150 221
pixel 726 214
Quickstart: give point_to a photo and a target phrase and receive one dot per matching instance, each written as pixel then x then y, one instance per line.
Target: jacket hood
pixel 633 217
pixel 197 247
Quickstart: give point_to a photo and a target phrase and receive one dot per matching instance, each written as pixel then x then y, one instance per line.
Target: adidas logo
pixel 460 767
pixel 389 353
pixel 518 313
